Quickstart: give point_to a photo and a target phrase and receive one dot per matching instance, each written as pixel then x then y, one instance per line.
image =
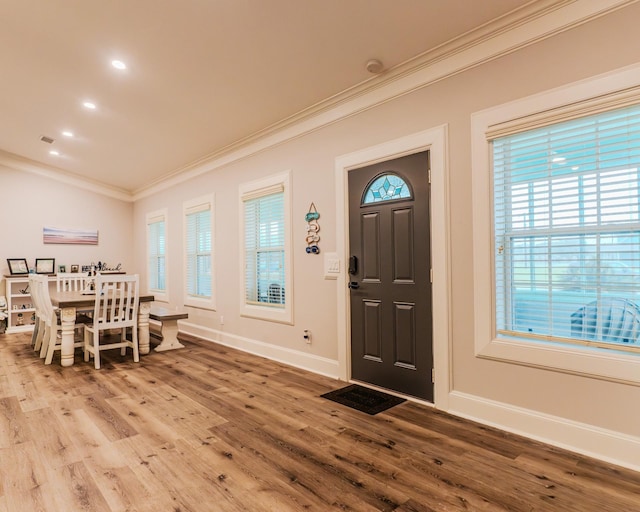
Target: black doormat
pixel 363 399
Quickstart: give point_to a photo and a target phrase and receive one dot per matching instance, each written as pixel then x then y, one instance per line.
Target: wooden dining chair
pixel 116 308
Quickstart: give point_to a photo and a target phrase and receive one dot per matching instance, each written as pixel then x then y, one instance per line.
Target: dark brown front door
pixel 390 269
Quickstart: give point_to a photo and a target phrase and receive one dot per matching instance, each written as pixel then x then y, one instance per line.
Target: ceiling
pixel 202 75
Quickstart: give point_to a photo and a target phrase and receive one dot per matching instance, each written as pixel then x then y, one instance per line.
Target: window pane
pixel 156 255
pixel 264 250
pixel 385 187
pixel 198 254
pixel 567 227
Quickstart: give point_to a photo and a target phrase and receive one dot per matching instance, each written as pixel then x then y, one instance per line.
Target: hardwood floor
pixel 207 428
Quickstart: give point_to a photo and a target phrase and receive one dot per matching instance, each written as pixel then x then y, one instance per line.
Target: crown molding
pixel 19 163
pixel 535 22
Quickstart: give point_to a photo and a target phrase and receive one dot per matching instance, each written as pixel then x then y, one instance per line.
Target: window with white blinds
pixel 198 232
pixel 156 253
pixel 567 231
pixel 266 249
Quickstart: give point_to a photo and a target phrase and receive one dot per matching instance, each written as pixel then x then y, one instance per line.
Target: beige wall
pixel 30 202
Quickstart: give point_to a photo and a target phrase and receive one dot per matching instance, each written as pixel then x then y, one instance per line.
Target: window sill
pixel 605 364
pixel 207 304
pixel 281 316
pixel 159 296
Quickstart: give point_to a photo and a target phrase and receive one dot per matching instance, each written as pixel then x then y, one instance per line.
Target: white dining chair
pixel 35 282
pixel 52 337
pixel 71 281
pixel 116 308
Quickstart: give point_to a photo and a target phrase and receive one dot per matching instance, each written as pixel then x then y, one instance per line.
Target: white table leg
pixel 169 332
pixel 67 324
pixel 143 327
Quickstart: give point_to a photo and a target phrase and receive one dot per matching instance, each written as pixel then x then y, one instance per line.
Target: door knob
pixel 354 284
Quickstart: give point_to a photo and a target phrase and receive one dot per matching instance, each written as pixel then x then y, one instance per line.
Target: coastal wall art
pixel 69 236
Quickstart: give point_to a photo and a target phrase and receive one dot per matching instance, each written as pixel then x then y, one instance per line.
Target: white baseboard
pixel 296 358
pixel 607 445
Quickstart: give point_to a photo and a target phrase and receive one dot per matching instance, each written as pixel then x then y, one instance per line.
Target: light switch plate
pixel 331 265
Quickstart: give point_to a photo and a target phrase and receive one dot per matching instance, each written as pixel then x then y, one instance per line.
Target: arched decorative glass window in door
pixel 385 187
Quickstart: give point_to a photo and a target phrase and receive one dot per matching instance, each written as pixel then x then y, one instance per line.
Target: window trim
pixel 600 93
pixel 159 295
pixel 206 202
pixel 252 190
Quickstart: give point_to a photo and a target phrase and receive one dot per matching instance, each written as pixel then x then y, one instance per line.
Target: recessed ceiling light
pixel 90 105
pixel 54 152
pixel 118 64
pixel 67 133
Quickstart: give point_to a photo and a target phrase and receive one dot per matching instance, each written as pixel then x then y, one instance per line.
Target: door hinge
pixel 431 275
pixel 433 375
pixel 429 175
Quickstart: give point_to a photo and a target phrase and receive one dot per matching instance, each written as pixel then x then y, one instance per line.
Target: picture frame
pixel 74 268
pixel 62 269
pixel 53 235
pixel 18 266
pixel 45 265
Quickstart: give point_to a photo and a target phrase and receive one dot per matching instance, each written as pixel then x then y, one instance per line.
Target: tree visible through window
pixel 567 230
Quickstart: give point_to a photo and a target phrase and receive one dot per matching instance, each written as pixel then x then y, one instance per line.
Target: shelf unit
pixel 19 305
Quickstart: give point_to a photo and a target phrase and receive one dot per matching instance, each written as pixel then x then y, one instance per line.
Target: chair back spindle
pixel 71 281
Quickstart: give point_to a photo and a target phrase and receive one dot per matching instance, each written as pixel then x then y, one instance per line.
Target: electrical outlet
pixel 307 336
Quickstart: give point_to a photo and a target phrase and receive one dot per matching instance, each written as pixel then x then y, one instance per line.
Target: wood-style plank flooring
pixel 207 428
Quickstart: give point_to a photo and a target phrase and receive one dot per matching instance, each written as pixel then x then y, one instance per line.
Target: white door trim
pixel 434 140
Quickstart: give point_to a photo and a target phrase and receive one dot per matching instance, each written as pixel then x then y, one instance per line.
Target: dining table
pixel 70 302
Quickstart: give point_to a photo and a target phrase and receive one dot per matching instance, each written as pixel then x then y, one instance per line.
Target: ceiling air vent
pixel 46 139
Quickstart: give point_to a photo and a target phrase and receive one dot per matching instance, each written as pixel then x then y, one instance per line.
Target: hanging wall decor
pixel 69 236
pixel 313 227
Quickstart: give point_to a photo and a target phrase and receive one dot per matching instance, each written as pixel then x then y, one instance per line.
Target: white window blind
pixel 264 245
pixel 198 240
pixel 156 252
pixel 567 231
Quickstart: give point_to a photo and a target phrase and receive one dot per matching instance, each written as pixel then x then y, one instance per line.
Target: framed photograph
pixel 62 269
pixel 45 265
pixel 74 268
pixel 69 236
pixel 18 266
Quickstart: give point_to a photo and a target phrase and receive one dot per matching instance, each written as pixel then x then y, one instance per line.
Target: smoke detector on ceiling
pixel 374 66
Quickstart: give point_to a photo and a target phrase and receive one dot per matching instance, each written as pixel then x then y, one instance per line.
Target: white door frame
pixel 434 140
